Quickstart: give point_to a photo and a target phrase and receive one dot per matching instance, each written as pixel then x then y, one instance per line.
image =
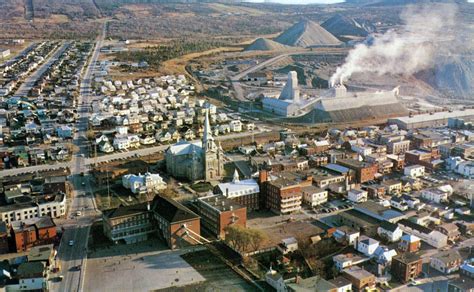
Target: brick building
pixel 360 278
pixel 31 232
pixel 129 224
pixel 176 224
pixel 406 266
pixel 283 196
pixel 363 171
pixel 217 212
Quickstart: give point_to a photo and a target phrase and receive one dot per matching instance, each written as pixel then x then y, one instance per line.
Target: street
pixel 72 252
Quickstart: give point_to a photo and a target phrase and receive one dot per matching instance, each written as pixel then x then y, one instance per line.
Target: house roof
pixel 41 253
pixel 448 256
pixel 171 210
pixel 388 226
pixel 31 270
pixel 340 281
pixel 407 257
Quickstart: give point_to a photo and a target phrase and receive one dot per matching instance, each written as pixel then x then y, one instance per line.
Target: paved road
pixel 108 157
pixel 29 82
pixel 73 257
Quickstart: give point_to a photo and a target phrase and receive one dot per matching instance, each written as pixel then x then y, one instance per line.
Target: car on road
pixel 78 213
pixel 71 242
pixel 83 183
pixel 414 283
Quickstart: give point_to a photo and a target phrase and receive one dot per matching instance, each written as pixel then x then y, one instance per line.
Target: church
pixel 195 161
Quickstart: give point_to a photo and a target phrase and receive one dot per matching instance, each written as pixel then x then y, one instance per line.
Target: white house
pixel 414 171
pixel 121 143
pixel 384 255
pixel 390 231
pixel 466 169
pixel 106 147
pixel 437 195
pixel 398 203
pixel 345 233
pixel 235 126
pixel 313 196
pixel 149 182
pixel 366 245
pixel 446 261
pixel 287 245
pixel 342 261
pixel 357 195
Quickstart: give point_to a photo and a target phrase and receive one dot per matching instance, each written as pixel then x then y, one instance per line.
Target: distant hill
pixel 307 33
pixel 262 44
pixel 340 25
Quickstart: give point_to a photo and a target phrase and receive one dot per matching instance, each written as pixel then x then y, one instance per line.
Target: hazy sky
pixel 301 1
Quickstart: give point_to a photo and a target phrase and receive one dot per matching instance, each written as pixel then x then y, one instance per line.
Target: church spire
pixel 207 139
pixel 236 178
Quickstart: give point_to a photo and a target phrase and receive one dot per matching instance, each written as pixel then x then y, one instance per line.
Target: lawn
pixel 201 187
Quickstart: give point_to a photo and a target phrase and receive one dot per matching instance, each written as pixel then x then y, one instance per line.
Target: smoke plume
pixel 427 31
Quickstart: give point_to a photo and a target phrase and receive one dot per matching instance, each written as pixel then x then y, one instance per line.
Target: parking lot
pixel 145 271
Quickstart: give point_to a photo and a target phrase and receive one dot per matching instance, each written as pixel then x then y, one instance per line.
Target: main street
pixel 72 253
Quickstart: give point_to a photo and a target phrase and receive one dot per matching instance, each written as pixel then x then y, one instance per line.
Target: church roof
pixel 185 147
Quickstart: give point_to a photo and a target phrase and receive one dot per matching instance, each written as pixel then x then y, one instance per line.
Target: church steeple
pixel 207 139
pixel 236 178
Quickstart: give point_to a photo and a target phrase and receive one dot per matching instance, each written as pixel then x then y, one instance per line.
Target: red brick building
pixel 283 196
pixel 31 232
pixel 363 171
pixel 406 266
pixel 217 212
pixel 176 224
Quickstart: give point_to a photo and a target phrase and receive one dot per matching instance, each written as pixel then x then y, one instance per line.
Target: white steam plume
pixel 404 51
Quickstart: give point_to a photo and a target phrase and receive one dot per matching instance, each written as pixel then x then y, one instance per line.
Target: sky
pixel 301 1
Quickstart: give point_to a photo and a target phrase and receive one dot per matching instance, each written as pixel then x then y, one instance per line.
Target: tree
pixel 257 237
pixel 241 238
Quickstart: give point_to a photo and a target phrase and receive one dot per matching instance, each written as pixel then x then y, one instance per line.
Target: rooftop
pixel 221 203
pixel 407 257
pixel 171 210
pixel 432 117
pixel 41 253
pixel 448 256
pixel 358 272
pixel 124 211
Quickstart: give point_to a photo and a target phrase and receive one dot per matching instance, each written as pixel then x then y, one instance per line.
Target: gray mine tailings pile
pixel 262 44
pixel 454 76
pixel 340 25
pixel 307 34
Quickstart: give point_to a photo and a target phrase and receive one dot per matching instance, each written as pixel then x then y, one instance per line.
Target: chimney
pixel 227 192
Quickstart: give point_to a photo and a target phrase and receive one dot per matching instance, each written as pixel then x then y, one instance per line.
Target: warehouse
pixel 438 119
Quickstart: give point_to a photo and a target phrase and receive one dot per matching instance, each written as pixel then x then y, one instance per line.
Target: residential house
pixel 414 171
pixel 346 234
pixel 446 262
pixel 409 243
pixel 288 245
pixel 314 196
pixel 357 195
pixel 343 261
pixel 390 231
pixel 366 245
pixel 451 230
pixel 360 278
